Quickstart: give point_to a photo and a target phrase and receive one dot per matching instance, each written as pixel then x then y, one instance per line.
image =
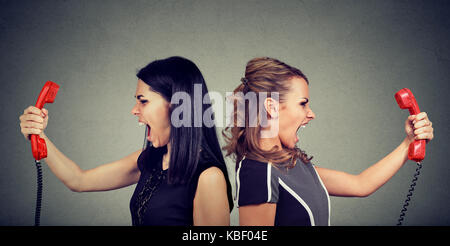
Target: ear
pixel 272 107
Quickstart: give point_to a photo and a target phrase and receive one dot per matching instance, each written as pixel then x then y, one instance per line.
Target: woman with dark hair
pixel 276 182
pixel 180 172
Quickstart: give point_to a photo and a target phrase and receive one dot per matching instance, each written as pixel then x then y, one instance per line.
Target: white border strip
pixel 269 182
pixel 296 196
pixel 238 182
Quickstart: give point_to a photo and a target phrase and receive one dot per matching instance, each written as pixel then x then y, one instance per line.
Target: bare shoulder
pixel 211 201
pixel 211 189
pixel 211 177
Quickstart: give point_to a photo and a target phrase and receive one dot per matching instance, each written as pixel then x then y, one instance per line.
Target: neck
pixel 269 136
pixel 268 143
pixel 166 158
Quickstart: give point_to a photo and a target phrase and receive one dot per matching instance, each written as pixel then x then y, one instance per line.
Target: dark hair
pixel 191 146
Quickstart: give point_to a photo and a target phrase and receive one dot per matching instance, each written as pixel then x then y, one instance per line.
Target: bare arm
pixel 109 176
pixel 211 200
pixel 257 215
pixel 343 184
pixel 105 177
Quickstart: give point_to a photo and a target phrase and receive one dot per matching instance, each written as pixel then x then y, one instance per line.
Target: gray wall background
pixel 357 54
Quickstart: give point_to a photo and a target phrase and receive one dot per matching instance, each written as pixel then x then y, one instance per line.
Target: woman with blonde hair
pixel 276 182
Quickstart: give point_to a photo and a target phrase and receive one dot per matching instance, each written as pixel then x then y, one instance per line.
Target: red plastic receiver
pixel 47 95
pixel 406 100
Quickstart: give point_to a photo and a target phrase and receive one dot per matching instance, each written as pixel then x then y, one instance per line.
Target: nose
pixel 134 110
pixel 311 115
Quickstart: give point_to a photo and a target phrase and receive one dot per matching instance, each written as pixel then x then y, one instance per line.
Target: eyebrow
pixel 138 96
pixel 307 99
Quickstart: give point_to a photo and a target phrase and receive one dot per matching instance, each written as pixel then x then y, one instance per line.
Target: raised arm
pixel 109 176
pixel 367 182
pixel 344 184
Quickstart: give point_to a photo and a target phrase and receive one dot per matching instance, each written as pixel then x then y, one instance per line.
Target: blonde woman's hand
pixel 419 127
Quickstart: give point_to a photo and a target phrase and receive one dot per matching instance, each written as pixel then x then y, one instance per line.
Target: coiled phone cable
pixel 409 195
pixel 37 214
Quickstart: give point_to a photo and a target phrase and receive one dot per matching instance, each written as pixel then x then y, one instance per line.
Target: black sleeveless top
pixel 155 202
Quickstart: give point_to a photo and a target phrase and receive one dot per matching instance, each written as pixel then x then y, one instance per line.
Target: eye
pixel 143 102
pixel 303 103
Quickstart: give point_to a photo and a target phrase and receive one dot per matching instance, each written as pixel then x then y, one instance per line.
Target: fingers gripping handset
pixel 47 95
pixel 406 100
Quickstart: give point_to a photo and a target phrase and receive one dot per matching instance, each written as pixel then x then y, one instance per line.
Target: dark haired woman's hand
pixel 419 127
pixel 33 121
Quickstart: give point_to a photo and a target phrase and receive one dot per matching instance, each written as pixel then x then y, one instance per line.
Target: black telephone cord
pixel 37 214
pixel 409 195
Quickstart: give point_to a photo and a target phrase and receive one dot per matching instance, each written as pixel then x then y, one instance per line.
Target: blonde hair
pixel 269 75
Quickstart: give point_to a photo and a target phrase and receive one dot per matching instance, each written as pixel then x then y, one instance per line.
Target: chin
pixel 288 145
pixel 158 144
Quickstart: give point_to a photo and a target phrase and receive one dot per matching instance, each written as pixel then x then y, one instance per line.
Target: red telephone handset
pixel 47 95
pixel 406 100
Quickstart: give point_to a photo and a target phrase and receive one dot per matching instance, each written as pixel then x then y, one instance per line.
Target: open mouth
pixel 148 129
pixel 302 127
